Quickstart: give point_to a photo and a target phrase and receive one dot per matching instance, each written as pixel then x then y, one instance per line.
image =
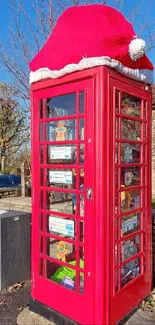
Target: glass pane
pixel 130 200
pixel 41 132
pixel 61 202
pixel 41 221
pixel 130 176
pixel 61 130
pixel 61 178
pixel 144 111
pixel 144 154
pixel 81 129
pixel 116 254
pixel 144 131
pixel 81 101
pixel 130 271
pixel 81 254
pixel 145 197
pixel 117 127
pixel 61 250
pixel 81 154
pixel 62 154
pixel 130 247
pixel 117 199
pixel 40 109
pixel 82 231
pixel 144 219
pixel 41 177
pixel 41 244
pixel 116 153
pixel 61 105
pixel 81 289
pixel 41 154
pixel 41 199
pixel 130 153
pixel 131 105
pixel 117 171
pixel 41 267
pixel 130 130
pixel 117 101
pixel 116 281
pixel 81 205
pixel 81 181
pixel 144 242
pixel 130 224
pixel 63 227
pixel 62 275
pixel 116 229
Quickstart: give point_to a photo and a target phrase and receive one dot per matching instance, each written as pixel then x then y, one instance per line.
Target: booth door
pixel 130 267
pixel 62 225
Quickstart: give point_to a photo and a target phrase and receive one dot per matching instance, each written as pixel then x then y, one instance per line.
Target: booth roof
pixel 88 36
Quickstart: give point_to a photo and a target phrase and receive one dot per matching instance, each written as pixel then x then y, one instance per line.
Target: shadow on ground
pixel 12 302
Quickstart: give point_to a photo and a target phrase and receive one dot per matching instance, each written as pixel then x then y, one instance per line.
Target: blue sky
pixel 146 14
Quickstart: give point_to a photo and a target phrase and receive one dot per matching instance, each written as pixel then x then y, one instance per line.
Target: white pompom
pixel 137 49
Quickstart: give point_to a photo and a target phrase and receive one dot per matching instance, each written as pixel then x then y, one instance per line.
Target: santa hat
pixel 88 36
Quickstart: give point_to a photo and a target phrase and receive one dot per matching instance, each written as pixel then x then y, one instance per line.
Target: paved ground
pixel 11 304
pixel 16 203
pixel 26 317
pixel 14 310
pixel 140 318
pixel 24 204
pixel 29 318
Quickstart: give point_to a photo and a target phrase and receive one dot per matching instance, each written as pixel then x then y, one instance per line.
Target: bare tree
pixel 153 97
pixel 13 128
pixel 30 30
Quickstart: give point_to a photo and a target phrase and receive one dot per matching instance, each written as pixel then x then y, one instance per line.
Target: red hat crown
pixel 92 31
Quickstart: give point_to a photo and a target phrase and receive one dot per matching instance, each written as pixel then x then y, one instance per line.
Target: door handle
pixel 89 193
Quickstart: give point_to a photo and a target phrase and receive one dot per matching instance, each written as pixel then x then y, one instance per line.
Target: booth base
pixel 50 314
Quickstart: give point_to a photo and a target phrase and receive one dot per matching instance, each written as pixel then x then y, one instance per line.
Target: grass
pixel 153 204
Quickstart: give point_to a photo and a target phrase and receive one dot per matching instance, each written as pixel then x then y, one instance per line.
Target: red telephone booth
pixel 91 213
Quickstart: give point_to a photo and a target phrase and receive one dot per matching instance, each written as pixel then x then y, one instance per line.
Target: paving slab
pixel 140 317
pixel 27 317
pixel 17 200
pixel 16 203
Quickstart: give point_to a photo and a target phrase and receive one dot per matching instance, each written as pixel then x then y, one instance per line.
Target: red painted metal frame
pixel 133 292
pixel 63 300
pixel 106 306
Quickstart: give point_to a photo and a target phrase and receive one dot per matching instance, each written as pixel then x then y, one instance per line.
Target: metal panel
pixel 15 248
